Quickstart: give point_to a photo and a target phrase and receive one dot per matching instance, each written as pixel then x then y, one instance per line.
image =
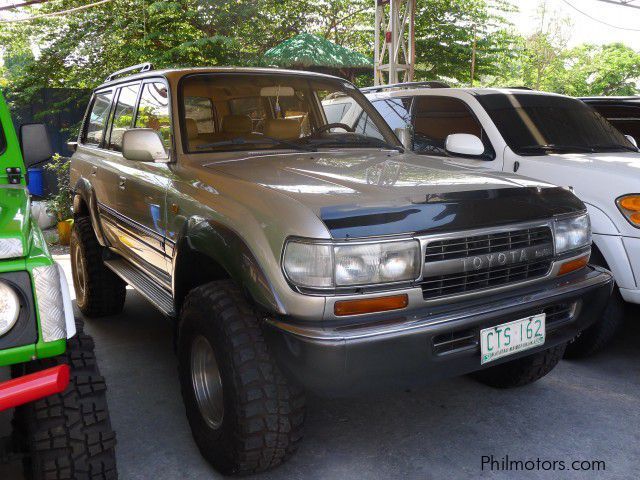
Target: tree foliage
pixel 80 49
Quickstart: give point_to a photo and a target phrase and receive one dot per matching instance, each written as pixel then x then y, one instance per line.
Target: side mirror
pixel 464 144
pixel 405 135
pixel 35 144
pixel 143 145
pixel 632 140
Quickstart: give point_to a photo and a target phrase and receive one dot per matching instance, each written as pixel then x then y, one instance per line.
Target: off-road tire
pixel 103 292
pixel 68 436
pixel 263 413
pixel 598 335
pixel 522 371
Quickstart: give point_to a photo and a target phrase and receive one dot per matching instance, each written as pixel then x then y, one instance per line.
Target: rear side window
pixel 94 126
pixel 123 115
pixel 435 118
pixel 153 111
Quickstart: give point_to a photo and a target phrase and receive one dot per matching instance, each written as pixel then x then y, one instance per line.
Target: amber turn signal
pixel 635 218
pixel 370 305
pixel 631 203
pixel 573 265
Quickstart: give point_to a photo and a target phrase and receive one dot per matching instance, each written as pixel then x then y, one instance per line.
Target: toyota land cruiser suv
pixel 293 253
pixel 61 426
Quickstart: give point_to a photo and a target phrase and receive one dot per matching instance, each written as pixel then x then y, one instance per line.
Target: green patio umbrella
pixel 312 52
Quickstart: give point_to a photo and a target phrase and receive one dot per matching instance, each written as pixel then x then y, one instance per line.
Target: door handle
pixel 122 183
pixel 94 170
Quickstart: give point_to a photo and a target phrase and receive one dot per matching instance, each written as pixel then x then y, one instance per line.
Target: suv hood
pixel 365 193
pixel 14 221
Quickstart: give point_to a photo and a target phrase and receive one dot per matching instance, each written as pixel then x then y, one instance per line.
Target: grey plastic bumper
pixel 399 352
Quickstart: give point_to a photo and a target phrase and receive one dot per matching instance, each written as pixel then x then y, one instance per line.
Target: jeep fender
pixel 225 248
pixel 85 203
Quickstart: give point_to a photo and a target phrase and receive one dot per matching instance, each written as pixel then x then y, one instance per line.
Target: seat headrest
pixel 237 124
pixel 192 128
pixel 282 129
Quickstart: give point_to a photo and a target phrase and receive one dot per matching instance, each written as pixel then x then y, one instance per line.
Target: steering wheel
pixel 329 126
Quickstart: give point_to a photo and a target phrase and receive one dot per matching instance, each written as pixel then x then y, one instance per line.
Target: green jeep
pixel 61 424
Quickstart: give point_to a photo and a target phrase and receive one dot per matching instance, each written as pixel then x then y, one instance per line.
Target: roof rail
pixel 429 84
pixel 521 87
pixel 141 67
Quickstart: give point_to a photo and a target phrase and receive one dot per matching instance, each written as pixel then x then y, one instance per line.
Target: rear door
pixel 92 159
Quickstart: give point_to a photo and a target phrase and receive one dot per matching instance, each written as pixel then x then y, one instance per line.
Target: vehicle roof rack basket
pixel 142 67
pixel 429 84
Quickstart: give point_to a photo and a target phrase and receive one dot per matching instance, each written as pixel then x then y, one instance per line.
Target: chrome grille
pixel 482 244
pixel 466 264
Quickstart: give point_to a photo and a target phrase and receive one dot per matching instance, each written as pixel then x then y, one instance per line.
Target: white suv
pixel 545 136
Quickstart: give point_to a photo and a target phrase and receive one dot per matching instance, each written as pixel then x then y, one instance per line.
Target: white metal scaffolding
pixel 394 56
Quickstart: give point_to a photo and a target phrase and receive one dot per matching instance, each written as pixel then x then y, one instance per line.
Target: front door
pixel 141 186
pixel 435 117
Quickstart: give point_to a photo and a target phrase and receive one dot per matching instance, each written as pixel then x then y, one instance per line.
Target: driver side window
pixel 435 118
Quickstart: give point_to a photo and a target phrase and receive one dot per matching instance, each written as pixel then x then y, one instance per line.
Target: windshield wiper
pixel 360 142
pixel 250 141
pixel 550 147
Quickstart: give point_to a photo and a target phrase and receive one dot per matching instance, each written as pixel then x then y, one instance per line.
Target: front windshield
pixel 535 124
pixel 256 111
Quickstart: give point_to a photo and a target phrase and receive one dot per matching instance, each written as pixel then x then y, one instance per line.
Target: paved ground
pixel 586 410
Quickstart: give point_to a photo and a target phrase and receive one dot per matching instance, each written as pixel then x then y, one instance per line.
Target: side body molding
pixel 212 242
pixel 84 197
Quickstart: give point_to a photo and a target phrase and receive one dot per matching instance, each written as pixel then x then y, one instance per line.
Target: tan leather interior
pixel 237 124
pixel 282 129
pixel 192 128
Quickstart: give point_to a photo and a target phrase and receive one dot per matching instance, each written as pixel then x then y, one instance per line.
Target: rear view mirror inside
pixel 277 91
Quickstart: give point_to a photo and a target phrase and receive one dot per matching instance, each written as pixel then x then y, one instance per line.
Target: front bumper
pixel 401 352
pixel 34 386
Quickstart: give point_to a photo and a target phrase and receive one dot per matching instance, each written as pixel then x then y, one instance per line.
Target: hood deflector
pixel 451 211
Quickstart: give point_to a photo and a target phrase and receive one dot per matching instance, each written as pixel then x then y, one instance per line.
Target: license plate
pixel 513 337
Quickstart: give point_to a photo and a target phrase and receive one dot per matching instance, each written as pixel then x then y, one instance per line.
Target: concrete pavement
pixel 583 410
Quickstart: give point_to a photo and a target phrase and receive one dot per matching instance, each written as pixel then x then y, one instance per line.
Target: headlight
pixel 629 205
pixel 9 308
pixel 309 265
pixel 323 266
pixel 572 233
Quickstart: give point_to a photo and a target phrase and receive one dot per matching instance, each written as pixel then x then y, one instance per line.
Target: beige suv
pixel 294 254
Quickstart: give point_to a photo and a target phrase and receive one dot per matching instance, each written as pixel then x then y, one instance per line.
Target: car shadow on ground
pixel 583 410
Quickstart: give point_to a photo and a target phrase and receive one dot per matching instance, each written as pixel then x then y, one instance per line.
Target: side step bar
pixel 157 295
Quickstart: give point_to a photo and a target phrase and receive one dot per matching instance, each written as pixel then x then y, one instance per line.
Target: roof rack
pixel 429 84
pixel 521 87
pixel 141 67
